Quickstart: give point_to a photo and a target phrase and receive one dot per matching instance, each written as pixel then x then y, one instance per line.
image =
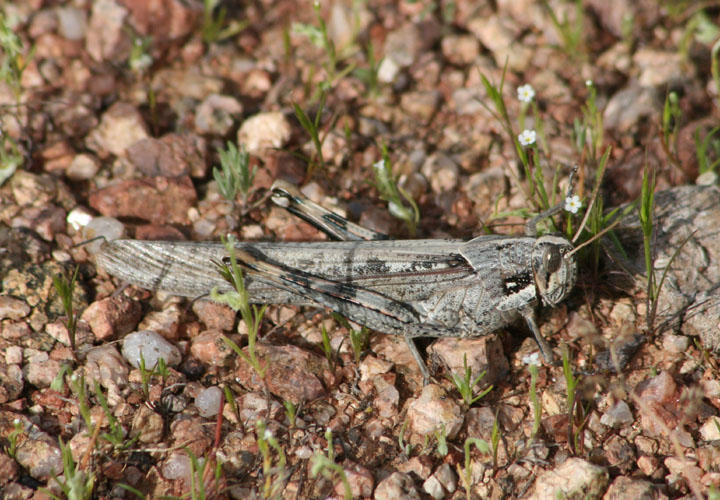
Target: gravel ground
pixel 114 114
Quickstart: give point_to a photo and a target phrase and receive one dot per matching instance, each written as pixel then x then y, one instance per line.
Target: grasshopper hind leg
pixel 418 358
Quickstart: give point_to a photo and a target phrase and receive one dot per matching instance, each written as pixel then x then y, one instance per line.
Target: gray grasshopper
pixel 413 288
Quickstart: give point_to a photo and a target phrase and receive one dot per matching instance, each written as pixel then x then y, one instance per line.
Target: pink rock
pixel 160 200
pixel 112 317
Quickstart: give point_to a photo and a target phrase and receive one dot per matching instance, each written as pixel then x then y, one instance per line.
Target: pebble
pixel 12 308
pixel 147 425
pixel 208 401
pixel 628 107
pixel 172 155
pixel 626 487
pixel 152 346
pixel 42 373
pixel 105 364
pixel 660 67
pixel 619 415
pixel 160 200
pixel 709 429
pixel 120 127
pixel 213 315
pixel 40 456
pixel 397 486
pixel 112 317
pixel 72 22
pixel 177 466
pixel 106 38
pixel 11 380
pixel 216 114
pixel 264 131
pixel 82 167
pixel 574 478
pixel 484 354
pixel 434 411
pixel 460 49
pixel 32 189
pixel 360 479
pixel 165 322
pixel 209 348
pixel 292 373
pixel 421 104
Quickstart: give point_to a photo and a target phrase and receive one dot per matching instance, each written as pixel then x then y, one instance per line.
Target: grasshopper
pixel 413 288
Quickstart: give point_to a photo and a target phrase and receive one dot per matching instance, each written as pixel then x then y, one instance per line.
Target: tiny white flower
pixel 268 435
pixel 532 359
pixel 527 137
pixel 588 83
pixel 379 165
pixel 16 421
pixel 573 204
pixel 526 93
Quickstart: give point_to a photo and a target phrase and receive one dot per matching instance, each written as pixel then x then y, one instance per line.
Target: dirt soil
pixel 119 109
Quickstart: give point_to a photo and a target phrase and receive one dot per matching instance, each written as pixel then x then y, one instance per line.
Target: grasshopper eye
pixel 551 259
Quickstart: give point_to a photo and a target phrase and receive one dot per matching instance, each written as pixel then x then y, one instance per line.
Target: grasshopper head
pixel 554 272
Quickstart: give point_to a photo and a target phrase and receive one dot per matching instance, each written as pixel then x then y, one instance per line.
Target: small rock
pixel 460 49
pixel 675 343
pixel 709 430
pixel 360 479
pixel 574 479
pixel 208 401
pixel 12 308
pixel 403 45
pixel 619 415
pixel 292 373
pixel 397 486
pixel 106 39
pixel 72 22
pixel 264 131
pixel 33 190
pixel 112 317
pixel 387 397
pixel 215 316
pixel 42 373
pixel 499 34
pixel 8 469
pixel 186 83
pixel 147 425
pixel 420 105
pixel 625 487
pixel 11 381
pixel 370 366
pixel 173 155
pixel 484 354
pixel 40 456
pixel 177 466
pixel 420 466
pixel 658 67
pixel 619 453
pixel 433 411
pixel 210 348
pixel 82 167
pixel 441 171
pixel 628 107
pixel 658 389
pixel 105 365
pixel 121 126
pixel 45 221
pixel 165 322
pixel 442 483
pixel 177 18
pixel 160 200
pixel 152 346
pixel 216 114
pixel 13 355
